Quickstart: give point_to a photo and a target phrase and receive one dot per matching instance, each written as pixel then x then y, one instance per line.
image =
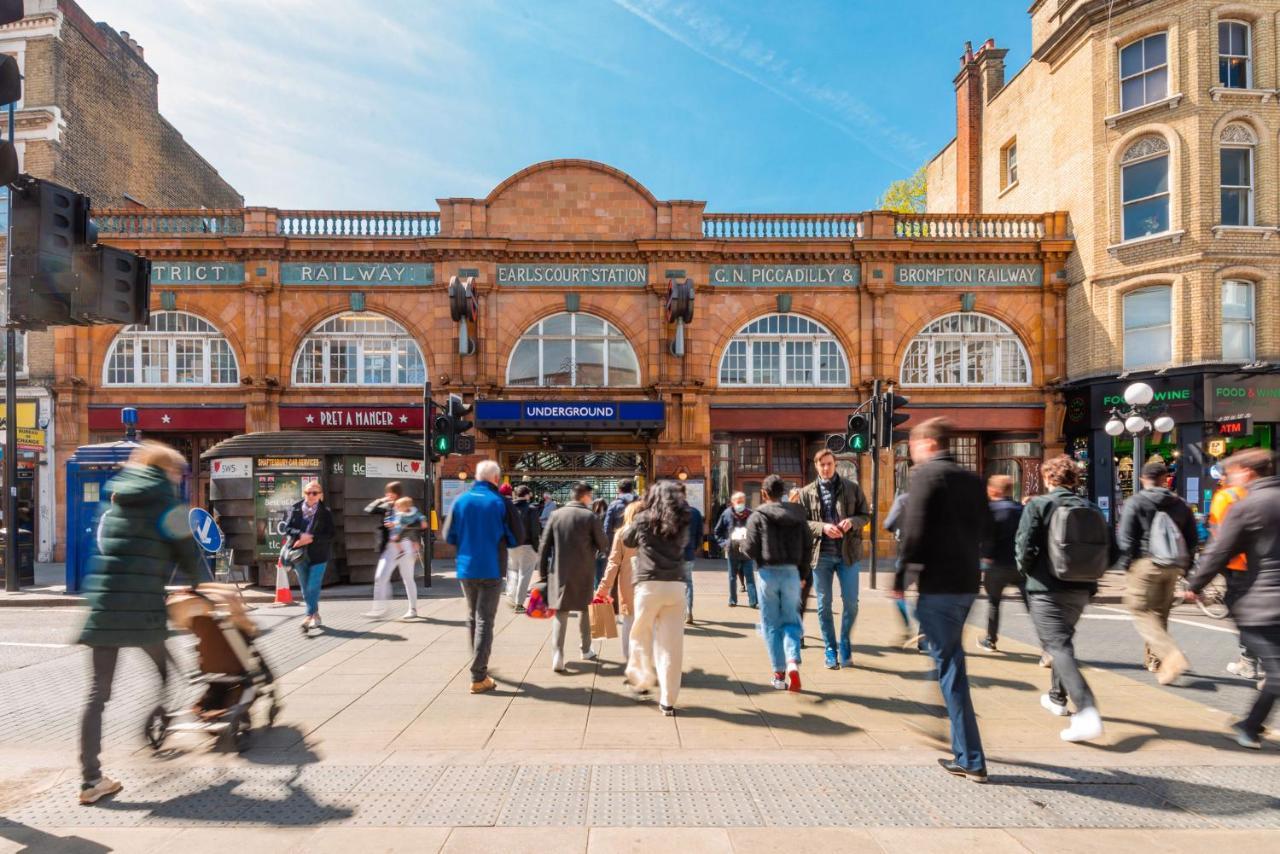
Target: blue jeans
pixel 688 589
pixel 942 617
pixel 311 579
pixel 828 569
pixel 745 567
pixel 780 614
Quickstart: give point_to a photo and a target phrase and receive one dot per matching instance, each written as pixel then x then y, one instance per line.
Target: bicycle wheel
pixel 1213 599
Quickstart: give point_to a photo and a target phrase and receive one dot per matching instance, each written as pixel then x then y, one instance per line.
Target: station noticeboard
pixel 278 486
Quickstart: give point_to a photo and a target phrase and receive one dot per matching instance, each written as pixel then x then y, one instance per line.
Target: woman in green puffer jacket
pixel 142 535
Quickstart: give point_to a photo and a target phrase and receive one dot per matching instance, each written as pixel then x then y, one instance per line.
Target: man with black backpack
pixel 1064 545
pixel 524 556
pixel 1157 537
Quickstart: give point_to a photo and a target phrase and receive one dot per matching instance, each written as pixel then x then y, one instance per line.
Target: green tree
pixel 906 195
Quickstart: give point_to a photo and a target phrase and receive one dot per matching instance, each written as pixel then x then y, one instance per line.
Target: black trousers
pixel 994 582
pixel 104 673
pixel 1264 642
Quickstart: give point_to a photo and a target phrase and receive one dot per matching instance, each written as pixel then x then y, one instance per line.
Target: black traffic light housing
pixel 891 415
pixel 10 93
pixel 50 224
pixel 450 426
pixel 858 435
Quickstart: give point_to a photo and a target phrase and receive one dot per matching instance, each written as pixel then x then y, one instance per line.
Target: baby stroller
pixel 229 666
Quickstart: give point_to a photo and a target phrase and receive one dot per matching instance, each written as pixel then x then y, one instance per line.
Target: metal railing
pixel 181 221
pixel 358 223
pixel 968 226
pixel 756 226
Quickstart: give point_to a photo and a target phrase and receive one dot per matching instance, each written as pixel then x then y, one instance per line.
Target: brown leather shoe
pixel 486 684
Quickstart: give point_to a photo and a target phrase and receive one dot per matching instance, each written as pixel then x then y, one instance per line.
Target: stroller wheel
pixel 156 729
pixel 235 738
pixel 273 711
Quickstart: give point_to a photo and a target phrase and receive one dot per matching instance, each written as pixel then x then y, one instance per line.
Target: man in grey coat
pixel 567 564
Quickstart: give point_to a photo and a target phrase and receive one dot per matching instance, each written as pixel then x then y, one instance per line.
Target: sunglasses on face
pixel 312 492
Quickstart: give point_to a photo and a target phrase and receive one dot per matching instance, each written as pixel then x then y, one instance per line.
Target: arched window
pixel 1148 328
pixel 359 348
pixel 573 350
pixel 965 349
pixel 174 349
pixel 1235 160
pixel 786 350
pixel 1144 187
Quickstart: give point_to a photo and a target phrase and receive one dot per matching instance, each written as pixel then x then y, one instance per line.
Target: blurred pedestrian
pixel 1064 545
pixel 999 566
pixel 946 520
pixel 730 534
pixel 310 527
pixel 691 548
pixel 893 524
pixel 522 560
pixel 806 572
pixel 659 534
pixel 613 514
pixel 477 526
pixel 566 564
pixel 1158 537
pixel 837 512
pixel 1237 478
pixel 620 572
pixel 600 508
pixel 549 506
pixel 778 540
pixel 1253 528
pixel 141 536
pixel 514 521
pixel 392 557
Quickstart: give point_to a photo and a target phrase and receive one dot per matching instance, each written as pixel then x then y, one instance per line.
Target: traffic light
pixel 891 415
pixel 450 425
pixel 857 438
pixel 112 286
pixel 10 93
pixel 49 223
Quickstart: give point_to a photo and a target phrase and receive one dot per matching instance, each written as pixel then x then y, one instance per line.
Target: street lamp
pixel 1138 419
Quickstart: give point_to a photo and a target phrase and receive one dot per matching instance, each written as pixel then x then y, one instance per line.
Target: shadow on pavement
pixel 37 841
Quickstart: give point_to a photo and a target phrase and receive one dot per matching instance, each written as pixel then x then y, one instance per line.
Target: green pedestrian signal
pixel 857 443
pixel 442 444
pixel 858 437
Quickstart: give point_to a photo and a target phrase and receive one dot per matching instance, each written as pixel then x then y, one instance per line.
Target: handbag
pixel 604 623
pixel 294 556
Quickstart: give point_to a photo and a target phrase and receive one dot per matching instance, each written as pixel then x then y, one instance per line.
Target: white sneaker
pixel 1059 709
pixel 91 793
pixel 374 615
pixel 1086 725
pixel 590 655
pixel 1243 669
pixel 411 614
pixel 557 662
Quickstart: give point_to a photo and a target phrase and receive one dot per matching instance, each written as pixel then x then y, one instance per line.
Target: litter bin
pixel 26 556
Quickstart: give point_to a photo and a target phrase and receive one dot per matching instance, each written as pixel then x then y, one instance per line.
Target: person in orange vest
pixel 1235 479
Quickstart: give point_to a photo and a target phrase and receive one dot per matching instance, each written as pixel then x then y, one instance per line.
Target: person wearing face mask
pixel 310 526
pixel 141 536
pixel 730 533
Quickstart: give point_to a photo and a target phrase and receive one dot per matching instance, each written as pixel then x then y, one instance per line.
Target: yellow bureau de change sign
pixel 30 437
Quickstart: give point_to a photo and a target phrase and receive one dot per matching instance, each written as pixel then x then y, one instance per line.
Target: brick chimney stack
pixel 968 134
pixel 991 66
pixel 133 44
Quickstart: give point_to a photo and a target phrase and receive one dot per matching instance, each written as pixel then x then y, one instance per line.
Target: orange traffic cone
pixel 284 593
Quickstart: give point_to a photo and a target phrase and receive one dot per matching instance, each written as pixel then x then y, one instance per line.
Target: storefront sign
pixel 570 275
pixel 1257 395
pixel 229 467
pixel 357 274
pixel 802 275
pixel 284 463
pixel 173 273
pixel 180 419
pixel 969 275
pixel 384 468
pixel 570 415
pixel 1182 397
pixel 350 418
pixel 1234 427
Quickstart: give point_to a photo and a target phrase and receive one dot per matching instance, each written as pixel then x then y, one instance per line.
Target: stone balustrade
pixel 969 226
pixel 760 226
pixel 171 221
pixel 358 223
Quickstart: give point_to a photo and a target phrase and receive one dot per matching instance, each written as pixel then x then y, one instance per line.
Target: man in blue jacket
pixel 477 528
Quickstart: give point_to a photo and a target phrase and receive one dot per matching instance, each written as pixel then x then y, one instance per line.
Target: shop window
pixel 1235 70
pixel 20 350
pixel 965 450
pixel 359 348
pixel 1237 321
pixel 1235 161
pixel 1144 71
pixel 966 349
pixel 1009 164
pixel 1020 460
pixel 751 453
pixel 787 457
pixel 571 350
pixel 784 350
pixel 174 348
pixel 1144 188
pixel 1148 332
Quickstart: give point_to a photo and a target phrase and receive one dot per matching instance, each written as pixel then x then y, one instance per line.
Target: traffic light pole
pixel 10 412
pixel 876 404
pixel 429 485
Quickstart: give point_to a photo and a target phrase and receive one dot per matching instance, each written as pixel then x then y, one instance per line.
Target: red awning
pixel 179 419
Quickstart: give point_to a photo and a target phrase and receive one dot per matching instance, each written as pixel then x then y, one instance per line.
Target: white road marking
pixel 1198 625
pixel 40 645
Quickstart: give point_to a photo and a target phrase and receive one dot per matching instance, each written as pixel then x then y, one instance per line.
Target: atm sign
pixel 1236 426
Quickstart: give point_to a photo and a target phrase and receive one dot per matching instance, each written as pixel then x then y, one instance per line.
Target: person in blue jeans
pixel 730 529
pixel 310 526
pixel 690 554
pixel 778 540
pixel 837 511
pixel 946 520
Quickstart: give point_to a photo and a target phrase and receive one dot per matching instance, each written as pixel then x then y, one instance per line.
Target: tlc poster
pixel 276 494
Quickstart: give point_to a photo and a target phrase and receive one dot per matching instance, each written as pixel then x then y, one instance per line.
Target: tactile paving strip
pixel 629 778
pixel 529 806
pixel 398 779
pixel 474 778
pixel 554 778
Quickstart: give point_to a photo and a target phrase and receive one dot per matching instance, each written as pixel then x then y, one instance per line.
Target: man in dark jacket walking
pixel 567 564
pixel 729 532
pixel 837 512
pixel 779 542
pixel 1152 577
pixel 522 559
pixel 613 514
pixel 141 536
pixel 946 520
pixel 1252 527
pixel 999 569
pixel 1056 605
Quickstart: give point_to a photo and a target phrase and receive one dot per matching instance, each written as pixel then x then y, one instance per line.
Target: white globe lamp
pixel 1114 427
pixel 1135 424
pixel 1164 424
pixel 1139 394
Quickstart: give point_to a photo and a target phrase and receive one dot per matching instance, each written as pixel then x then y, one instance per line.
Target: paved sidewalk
pixel 381 746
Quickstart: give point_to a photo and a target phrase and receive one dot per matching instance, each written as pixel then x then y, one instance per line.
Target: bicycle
pixel 1212 600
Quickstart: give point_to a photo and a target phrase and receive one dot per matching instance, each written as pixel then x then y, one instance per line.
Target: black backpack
pixel 1079 541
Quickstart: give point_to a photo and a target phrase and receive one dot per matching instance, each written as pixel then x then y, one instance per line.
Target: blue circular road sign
pixel 206 531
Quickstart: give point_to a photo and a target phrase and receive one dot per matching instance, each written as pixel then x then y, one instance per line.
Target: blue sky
pixel 391 104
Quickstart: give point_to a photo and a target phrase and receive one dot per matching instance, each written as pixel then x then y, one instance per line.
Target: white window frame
pixel 1011 164
pixel 137 334
pixel 1001 339
pixel 327 338
pixel 1251 323
pixel 1239 132
pixel 611 335
pixel 816 337
pixel 1125 330
pixel 1127 162
pixel 1146 70
pixel 1247 56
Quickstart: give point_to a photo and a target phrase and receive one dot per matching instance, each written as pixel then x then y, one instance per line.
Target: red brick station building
pixel 266 319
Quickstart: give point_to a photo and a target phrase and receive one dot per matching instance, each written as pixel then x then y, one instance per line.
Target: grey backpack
pixel 1079 542
pixel 1166 546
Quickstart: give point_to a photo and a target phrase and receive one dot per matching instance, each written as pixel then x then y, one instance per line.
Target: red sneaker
pixel 793 679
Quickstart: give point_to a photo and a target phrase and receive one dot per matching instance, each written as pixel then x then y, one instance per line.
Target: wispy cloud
pixel 736 50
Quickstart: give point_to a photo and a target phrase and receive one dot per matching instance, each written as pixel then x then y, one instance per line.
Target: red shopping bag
pixel 537 607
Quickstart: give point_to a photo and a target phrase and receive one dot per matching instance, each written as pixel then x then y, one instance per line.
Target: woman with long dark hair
pixel 658 535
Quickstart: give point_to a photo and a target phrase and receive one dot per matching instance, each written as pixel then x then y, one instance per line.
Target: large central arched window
pixel 965 349
pixel 359 348
pixel 174 348
pixel 786 350
pixel 573 350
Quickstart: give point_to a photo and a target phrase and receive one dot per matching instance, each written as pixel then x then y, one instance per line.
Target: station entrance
pixel 556 471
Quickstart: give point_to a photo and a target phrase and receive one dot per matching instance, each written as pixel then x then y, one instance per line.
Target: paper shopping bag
pixel 604 623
